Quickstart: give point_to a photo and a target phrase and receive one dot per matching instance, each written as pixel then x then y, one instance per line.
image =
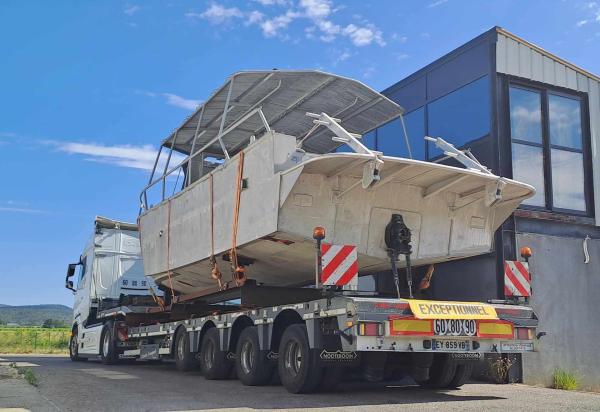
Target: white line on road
pixel 108 374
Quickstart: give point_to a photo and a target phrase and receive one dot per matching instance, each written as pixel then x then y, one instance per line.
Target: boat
pixel 258 167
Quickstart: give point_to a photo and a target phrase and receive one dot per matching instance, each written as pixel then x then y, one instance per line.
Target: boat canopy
pixel 252 102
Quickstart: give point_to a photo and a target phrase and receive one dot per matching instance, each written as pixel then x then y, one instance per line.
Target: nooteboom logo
pixel 272 355
pixel 338 355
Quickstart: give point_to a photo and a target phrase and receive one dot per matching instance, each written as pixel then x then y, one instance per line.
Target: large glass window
pixel 547 147
pixel 566 154
pixel 526 133
pixel 391 140
pixel 461 116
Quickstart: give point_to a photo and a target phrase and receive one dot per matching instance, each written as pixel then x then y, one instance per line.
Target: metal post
pixel 319 264
pixel 191 156
pixel 409 275
pixel 223 118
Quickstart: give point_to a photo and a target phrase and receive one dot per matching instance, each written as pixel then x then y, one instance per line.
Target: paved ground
pixel 91 386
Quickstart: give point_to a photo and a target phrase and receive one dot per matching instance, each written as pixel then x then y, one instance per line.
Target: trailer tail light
pixel 497 329
pixel 411 326
pixel 524 333
pixel 370 329
pixel 122 333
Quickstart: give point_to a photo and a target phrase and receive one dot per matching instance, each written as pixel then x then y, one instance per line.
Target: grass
pixel 34 340
pixel 25 373
pixel 565 380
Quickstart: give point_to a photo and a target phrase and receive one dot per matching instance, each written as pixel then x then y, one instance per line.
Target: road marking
pixel 19 364
pixel 108 374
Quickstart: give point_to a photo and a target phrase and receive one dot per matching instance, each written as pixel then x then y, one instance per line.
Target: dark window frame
pixel 545 90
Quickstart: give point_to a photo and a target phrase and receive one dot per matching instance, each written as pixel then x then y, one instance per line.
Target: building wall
pixel 517 58
pixel 566 294
pixel 565 289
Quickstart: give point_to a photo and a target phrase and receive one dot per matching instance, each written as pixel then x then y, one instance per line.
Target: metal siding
pixel 571 79
pixel 548 64
pixel 525 61
pixel 582 82
pixel 560 74
pixel 537 66
pixel 501 54
pixel 594 106
pixel 512 56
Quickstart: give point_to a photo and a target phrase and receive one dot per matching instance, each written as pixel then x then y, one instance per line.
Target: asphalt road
pixel 91 386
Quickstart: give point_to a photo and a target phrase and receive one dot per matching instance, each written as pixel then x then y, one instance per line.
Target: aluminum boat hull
pixel 452 213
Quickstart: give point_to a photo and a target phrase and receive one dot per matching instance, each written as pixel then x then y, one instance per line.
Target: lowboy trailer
pixel 306 337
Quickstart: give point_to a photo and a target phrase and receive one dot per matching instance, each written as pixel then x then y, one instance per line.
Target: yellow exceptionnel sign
pixel 429 309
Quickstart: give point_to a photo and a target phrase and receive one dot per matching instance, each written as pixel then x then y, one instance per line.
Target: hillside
pixel 35 315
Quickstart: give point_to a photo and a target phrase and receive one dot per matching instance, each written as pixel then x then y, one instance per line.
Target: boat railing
pixel 184 165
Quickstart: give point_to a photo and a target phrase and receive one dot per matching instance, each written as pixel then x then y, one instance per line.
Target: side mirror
pixel 70 273
pixel 71 270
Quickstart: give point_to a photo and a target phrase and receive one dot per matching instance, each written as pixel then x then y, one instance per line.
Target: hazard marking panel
pixel 517 281
pixel 340 265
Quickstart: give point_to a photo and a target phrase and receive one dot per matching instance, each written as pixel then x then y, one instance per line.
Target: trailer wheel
pixel 185 360
pixel 74 347
pixel 298 366
pixel 462 375
pixel 213 361
pixel 108 351
pixel 441 372
pixel 252 366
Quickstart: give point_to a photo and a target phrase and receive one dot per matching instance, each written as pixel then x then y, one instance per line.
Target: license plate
pixel 516 346
pixel 454 327
pixel 451 345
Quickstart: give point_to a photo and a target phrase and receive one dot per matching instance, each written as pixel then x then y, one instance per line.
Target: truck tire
pixel 185 360
pixel 108 351
pixel 462 375
pixel 213 360
pixel 441 372
pixel 74 347
pixel 298 365
pixel 252 366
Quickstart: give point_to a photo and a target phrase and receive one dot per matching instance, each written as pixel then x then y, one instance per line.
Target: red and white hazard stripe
pixel 339 264
pixel 517 281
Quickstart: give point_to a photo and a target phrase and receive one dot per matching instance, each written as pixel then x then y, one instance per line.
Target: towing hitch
pixel 397 240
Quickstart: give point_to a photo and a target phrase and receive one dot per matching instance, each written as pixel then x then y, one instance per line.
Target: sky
pixel 90 88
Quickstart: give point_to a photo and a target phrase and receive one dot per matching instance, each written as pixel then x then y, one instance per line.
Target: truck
pixel 308 337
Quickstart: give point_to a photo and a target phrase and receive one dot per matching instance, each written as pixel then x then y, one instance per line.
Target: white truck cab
pixel 109 271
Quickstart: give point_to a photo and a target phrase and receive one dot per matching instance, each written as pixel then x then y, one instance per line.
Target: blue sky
pixel 89 88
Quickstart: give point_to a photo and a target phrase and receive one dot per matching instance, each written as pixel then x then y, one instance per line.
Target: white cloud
pixel 130 10
pixel 22 210
pixel 316 9
pixel 217 14
pixel 581 23
pixel 272 2
pixel 317 12
pixel 178 101
pixel 254 17
pixel 363 36
pixel 436 3
pixel 174 100
pixel 140 157
pixel 271 27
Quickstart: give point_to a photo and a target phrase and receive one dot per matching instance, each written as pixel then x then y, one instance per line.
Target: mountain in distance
pixel 35 315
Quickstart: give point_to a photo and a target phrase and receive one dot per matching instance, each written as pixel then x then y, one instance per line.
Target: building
pixel 528 114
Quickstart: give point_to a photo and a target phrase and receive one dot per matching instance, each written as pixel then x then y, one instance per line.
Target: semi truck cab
pixel 109 273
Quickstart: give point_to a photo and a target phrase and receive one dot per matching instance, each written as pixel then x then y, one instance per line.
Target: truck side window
pixel 82 271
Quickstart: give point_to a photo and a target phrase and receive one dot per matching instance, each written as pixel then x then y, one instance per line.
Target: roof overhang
pixel 284 97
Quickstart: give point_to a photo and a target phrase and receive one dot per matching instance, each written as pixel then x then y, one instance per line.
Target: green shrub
pixel 565 380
